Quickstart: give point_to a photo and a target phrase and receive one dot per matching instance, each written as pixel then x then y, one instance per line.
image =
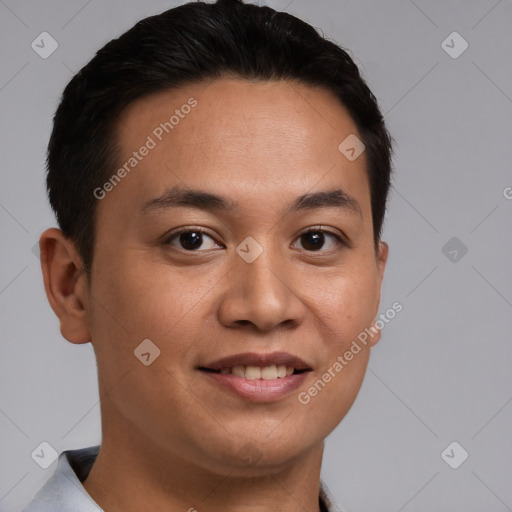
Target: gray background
pixel 441 371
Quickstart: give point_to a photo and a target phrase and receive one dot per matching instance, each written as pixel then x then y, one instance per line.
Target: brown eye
pixel 313 241
pixel 192 240
pixel 318 239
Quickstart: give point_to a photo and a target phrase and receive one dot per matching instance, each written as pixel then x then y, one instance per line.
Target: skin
pixel 171 439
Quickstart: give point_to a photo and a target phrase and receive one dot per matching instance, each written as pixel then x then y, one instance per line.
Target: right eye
pixel 191 239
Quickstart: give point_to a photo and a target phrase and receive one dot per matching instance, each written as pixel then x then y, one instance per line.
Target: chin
pixel 260 455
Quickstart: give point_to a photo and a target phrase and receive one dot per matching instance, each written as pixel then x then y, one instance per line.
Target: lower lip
pixel 258 390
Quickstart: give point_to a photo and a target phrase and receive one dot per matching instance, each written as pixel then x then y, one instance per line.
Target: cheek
pixel 140 302
pixel 344 303
pixel 344 306
pixel 132 303
pixel 150 299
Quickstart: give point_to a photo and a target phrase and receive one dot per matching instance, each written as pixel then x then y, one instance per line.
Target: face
pixel 241 232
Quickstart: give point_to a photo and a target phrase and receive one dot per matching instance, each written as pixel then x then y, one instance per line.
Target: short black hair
pixel 191 43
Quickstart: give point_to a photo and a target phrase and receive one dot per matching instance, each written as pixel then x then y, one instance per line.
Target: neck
pixel 131 473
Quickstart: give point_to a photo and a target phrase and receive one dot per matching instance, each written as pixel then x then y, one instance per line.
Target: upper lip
pixel 262 360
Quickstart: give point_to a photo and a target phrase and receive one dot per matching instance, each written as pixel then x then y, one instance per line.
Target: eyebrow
pixel 187 198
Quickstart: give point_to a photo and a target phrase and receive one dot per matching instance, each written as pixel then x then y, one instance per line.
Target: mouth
pixel 253 372
pixel 250 365
pixel 258 377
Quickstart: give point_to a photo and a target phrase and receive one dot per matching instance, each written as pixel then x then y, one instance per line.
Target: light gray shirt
pixel 64 491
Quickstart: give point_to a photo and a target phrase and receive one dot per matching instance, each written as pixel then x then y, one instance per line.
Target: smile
pixel 257 377
pixel 252 372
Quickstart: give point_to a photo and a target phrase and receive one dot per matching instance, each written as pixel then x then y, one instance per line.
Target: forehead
pixel 246 136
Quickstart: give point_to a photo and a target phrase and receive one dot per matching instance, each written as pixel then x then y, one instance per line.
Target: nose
pixel 261 294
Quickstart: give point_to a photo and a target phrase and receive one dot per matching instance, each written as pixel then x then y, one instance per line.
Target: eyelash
pixel 314 229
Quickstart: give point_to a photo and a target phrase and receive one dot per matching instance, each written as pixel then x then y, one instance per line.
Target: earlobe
pixel 375 337
pixel 65 284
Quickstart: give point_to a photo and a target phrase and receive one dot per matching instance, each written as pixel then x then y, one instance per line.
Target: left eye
pixel 192 240
pixel 315 239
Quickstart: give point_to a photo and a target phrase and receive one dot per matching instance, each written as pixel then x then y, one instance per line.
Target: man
pixel 219 174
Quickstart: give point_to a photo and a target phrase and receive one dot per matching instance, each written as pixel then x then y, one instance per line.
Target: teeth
pixel 255 372
pixel 252 372
pixel 268 373
pixel 239 371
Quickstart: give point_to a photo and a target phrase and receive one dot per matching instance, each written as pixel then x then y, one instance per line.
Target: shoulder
pixel 327 503
pixel 64 492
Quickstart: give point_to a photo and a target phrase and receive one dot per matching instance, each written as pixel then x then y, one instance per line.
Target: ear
pixel 381 259
pixel 66 285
